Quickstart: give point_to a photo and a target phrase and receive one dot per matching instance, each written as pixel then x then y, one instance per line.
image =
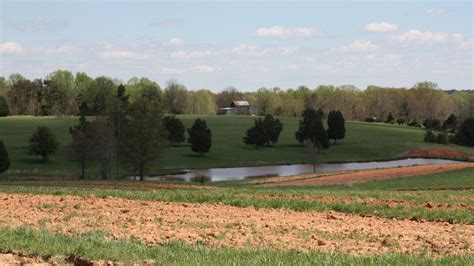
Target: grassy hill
pixel 363 142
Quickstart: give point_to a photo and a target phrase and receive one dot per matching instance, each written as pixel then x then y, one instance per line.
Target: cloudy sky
pixel 247 45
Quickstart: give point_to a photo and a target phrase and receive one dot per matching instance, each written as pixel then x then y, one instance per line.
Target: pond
pixel 239 173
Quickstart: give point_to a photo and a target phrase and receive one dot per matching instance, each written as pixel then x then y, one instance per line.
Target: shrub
pixel 414 123
pixel 442 138
pixel 401 121
pixel 390 119
pixel 430 136
pixel 43 142
pixel 370 119
pixel 434 124
pixel 201 179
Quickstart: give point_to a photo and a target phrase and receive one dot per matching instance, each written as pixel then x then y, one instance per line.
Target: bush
pixel 414 123
pixel 430 136
pixel 390 119
pixel 370 119
pixel 434 124
pixel 442 138
pixel 201 179
pixel 4 160
pixel 401 121
pixel 43 143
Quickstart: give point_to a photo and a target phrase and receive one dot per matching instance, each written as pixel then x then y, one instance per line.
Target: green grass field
pixel 363 142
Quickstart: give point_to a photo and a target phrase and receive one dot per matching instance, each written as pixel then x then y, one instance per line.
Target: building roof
pixel 240 103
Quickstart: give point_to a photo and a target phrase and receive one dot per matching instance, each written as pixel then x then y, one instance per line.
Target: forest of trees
pixel 62 93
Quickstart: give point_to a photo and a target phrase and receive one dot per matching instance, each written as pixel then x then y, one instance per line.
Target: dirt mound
pixel 363 175
pixel 439 153
pixel 221 225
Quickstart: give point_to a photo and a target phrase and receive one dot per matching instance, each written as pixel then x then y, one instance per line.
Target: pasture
pixel 363 142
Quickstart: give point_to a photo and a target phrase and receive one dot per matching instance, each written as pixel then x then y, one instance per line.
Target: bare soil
pixel 439 153
pixel 362 175
pixel 228 226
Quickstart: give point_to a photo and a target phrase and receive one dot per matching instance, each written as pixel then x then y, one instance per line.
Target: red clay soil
pixel 439 153
pixel 235 227
pixel 363 175
pixel 141 185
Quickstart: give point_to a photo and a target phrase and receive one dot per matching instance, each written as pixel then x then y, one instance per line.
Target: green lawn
pixel 363 142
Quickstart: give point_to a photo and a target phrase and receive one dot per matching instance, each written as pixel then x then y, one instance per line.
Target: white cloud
pixel 203 68
pixel 190 55
pixel 277 31
pixel 64 49
pixel 435 11
pixel 380 27
pixel 357 46
pixel 431 38
pixel 11 48
pixel 241 50
pixel 120 54
pixel 176 42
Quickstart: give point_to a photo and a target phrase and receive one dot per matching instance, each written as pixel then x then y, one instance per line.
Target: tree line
pixel 63 93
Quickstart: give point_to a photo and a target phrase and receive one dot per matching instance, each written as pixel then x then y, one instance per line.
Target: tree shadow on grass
pixel 35 161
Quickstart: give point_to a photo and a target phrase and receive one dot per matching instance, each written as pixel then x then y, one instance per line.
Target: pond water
pixel 239 173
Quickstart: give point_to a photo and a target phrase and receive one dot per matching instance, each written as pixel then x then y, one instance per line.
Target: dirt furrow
pixel 221 225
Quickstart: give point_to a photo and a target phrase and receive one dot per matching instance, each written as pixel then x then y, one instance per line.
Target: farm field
pixel 409 220
pixel 363 142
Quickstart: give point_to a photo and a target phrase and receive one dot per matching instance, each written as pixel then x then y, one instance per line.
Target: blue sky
pixel 248 45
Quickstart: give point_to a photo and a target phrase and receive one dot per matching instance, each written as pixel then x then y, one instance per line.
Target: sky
pixel 248 45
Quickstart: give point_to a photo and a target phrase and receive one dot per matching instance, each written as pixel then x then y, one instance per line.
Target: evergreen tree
pixel 312 129
pixel 336 127
pixel 4 110
pixel 451 123
pixel 200 137
pixel 264 132
pixel 4 159
pixel 80 143
pixel 43 142
pixel 175 129
pixel 390 119
pixel 465 134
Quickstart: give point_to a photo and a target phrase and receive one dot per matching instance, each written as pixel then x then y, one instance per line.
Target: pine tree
pixel 80 144
pixel 175 129
pixel 336 126
pixel 4 110
pixel 264 132
pixel 200 137
pixel 312 129
pixel 4 159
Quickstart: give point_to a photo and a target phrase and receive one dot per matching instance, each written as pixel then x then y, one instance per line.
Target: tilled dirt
pixel 362 175
pixel 439 153
pixel 221 225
